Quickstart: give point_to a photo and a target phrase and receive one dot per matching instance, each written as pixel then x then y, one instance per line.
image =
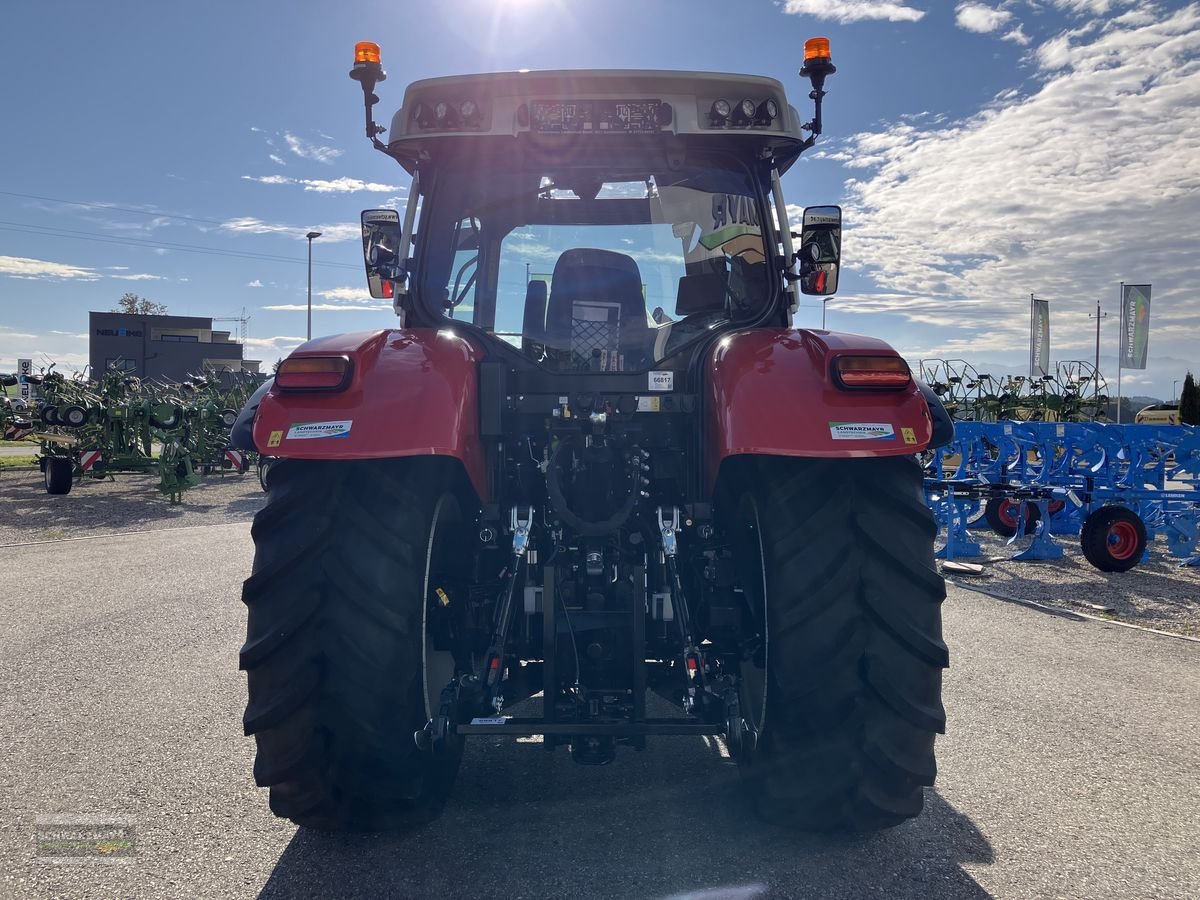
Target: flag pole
pixel 1120 338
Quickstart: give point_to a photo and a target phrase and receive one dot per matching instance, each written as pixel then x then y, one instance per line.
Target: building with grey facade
pixel 168 348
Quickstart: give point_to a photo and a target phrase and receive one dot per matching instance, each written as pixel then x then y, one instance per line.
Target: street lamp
pixel 1174 395
pixel 311 235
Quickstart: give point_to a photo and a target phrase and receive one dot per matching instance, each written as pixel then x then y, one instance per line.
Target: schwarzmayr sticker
pixel 861 431
pixel 303 431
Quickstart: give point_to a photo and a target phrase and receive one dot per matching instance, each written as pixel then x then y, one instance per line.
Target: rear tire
pixel 853 653
pixel 344 564
pixel 1113 539
pixel 60 475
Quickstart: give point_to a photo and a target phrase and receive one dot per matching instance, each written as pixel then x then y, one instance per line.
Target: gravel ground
pixel 1156 594
pixel 129 503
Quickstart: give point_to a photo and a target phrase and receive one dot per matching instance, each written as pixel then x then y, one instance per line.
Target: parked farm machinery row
pixel 1076 392
pixel 1117 487
pixel 120 424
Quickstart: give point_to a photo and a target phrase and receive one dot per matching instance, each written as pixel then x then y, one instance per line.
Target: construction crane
pixel 243 323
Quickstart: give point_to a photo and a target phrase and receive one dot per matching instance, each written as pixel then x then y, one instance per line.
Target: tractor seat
pixel 596 312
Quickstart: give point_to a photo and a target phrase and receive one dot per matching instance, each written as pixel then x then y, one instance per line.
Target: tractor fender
pixel 771 391
pixel 412 392
pixel 943 425
pixel 241 436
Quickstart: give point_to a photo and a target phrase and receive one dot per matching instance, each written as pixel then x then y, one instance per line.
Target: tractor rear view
pixel 595 463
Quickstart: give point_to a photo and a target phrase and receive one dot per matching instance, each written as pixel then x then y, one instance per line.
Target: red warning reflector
pixel 691 664
pixel 313 373
pixel 88 459
pixel 871 372
pixel 495 663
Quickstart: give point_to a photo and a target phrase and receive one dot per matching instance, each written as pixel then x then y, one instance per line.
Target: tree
pixel 139 306
pixel 1189 402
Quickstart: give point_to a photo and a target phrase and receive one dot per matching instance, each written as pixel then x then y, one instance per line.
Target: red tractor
pixel 595 487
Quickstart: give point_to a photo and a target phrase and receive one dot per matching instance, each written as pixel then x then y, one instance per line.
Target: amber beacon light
pixel 814 48
pixel 368 52
pixel 368 72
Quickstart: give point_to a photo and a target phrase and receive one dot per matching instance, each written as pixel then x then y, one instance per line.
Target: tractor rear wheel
pixel 60 475
pixel 841 694
pixel 346 556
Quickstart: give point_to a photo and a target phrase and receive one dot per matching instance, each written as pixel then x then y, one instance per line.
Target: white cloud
pixel 1017 36
pixel 329 307
pixel 328 186
pixel 256 283
pixel 279 343
pixel 250 225
pixel 139 276
pixel 1090 179
pixel 347 294
pixel 307 150
pixel 979 18
pixel 276 158
pixel 1091 7
pixel 23 267
pixel 845 11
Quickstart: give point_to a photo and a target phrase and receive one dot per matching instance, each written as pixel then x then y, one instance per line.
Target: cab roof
pixel 596 105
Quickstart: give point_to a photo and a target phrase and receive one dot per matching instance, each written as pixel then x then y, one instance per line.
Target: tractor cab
pixel 596 221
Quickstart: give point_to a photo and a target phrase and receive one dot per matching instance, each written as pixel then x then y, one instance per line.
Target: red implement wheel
pixel 1113 538
pixel 1002 514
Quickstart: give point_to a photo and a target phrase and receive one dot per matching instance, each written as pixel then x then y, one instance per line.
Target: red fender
pixel 413 392
pixel 771 391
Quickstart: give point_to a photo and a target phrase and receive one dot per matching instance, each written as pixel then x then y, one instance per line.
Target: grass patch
pixel 17 462
pixel 17 443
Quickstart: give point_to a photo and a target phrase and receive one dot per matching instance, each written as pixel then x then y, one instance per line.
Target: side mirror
pixel 820 252
pixel 382 253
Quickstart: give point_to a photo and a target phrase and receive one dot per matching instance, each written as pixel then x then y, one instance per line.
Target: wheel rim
pixel 437 666
pixel 1122 540
pixel 1006 512
pixel 754 677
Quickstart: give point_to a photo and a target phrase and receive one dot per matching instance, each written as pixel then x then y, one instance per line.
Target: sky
pixel 981 151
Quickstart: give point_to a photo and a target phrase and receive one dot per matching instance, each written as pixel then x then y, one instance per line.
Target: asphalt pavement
pixel 1070 767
